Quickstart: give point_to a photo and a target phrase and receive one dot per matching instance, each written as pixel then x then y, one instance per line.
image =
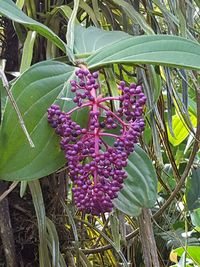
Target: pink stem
pixel 87 104
pixel 114 115
pixel 109 134
pixel 104 142
pixel 108 98
pixel 96 134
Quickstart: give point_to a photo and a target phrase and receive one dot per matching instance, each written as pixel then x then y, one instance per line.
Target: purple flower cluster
pixel 96 168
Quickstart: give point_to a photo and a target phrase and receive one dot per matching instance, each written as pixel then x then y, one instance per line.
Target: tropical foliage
pixel 156 216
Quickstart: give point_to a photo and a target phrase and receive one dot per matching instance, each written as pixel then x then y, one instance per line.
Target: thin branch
pixel 5 193
pixel 6 232
pixel 14 104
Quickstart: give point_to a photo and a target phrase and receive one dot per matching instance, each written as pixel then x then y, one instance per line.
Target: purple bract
pixel 95 167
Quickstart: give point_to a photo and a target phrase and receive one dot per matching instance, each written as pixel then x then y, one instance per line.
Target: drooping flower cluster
pixel 95 167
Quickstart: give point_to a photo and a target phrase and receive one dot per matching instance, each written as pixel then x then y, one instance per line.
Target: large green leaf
pixel 100 38
pixel 11 11
pixel 193 190
pixel 140 188
pixel 34 92
pixel 153 49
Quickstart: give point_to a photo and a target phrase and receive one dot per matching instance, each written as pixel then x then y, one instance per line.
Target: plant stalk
pixel 147 239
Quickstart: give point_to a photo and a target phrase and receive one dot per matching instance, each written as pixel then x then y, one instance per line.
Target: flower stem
pixel 108 98
pixel 114 115
pixel 87 104
pixel 96 133
pixel 109 134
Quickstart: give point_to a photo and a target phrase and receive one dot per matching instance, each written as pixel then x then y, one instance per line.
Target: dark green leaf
pixel 198 3
pixel 53 242
pixel 34 92
pixel 134 15
pixel 64 10
pixel 168 177
pixel 140 188
pixel 193 190
pixel 195 217
pixel 153 49
pixel 172 19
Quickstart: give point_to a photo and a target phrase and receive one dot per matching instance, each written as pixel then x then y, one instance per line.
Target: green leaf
pixel 193 190
pixel 70 30
pixel 140 188
pixel 20 3
pixel 3 99
pixel 195 217
pixel 3 94
pixel 34 92
pixel 156 83
pixel 53 245
pixel 114 225
pixel 153 49
pixel 170 17
pixel 90 12
pixel 100 39
pixel 54 242
pixel 167 176
pixel 11 11
pixel 27 51
pixel 193 253
pixel 180 129
pixel 38 202
pixel 64 10
pixel 23 187
pixel 134 15
pixel 113 88
pixel 197 3
pixel 95 7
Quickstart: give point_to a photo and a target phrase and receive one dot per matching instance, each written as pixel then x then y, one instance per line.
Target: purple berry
pixel 95 168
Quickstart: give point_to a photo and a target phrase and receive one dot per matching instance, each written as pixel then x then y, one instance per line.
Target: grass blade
pixel 38 202
pixel 28 51
pixel 70 31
